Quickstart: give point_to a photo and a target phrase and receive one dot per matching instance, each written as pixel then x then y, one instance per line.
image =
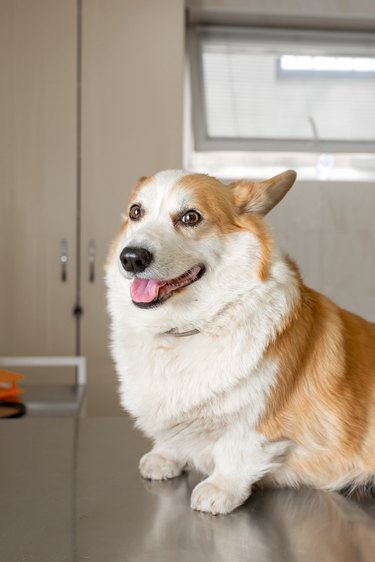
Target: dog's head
pixel 188 237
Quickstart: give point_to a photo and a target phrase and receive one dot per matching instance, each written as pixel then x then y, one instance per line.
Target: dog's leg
pixel 160 464
pixel 241 458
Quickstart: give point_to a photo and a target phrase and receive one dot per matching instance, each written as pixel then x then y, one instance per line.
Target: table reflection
pixel 274 525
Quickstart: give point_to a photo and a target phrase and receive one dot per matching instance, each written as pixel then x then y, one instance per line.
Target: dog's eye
pixel 135 212
pixel 191 217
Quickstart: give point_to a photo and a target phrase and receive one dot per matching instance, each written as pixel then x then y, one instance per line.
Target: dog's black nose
pixel 135 260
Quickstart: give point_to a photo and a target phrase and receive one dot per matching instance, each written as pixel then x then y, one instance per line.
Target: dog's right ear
pixel 260 197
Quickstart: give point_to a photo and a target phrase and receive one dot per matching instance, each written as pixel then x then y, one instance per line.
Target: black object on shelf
pixel 9 409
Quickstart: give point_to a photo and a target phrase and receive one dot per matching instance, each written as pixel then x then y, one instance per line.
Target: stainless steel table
pixel 70 492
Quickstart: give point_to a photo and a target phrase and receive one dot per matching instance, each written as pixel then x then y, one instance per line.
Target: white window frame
pixel 357 43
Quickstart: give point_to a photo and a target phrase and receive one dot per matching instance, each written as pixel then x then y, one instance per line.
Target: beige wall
pixel 328 229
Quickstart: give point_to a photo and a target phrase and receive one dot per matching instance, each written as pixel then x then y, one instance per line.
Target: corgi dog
pixel 225 359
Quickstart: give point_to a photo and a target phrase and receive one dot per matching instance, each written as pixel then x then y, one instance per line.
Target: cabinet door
pixel 37 176
pixel 133 55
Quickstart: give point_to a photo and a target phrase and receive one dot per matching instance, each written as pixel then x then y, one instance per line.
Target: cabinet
pixel 38 50
pixel 69 157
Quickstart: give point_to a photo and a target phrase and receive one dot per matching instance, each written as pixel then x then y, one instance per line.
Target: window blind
pixel 262 89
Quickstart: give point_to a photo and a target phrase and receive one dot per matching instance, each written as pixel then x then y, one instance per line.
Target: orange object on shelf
pixel 8 385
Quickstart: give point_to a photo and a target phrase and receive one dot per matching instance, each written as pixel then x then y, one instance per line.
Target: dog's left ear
pixel 261 197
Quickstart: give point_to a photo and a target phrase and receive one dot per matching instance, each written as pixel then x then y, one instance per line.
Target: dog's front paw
pixel 212 498
pixel 156 466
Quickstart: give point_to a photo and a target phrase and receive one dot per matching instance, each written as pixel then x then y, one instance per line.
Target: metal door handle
pixel 92 255
pixel 64 260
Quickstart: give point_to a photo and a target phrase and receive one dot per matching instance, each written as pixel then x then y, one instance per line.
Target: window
pixel 303 93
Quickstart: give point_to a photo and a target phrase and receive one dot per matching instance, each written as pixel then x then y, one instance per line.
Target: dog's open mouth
pixel 147 293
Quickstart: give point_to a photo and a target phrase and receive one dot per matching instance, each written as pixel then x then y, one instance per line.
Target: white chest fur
pixel 165 380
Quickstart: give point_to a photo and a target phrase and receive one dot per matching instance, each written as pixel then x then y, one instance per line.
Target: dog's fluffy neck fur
pixel 263 307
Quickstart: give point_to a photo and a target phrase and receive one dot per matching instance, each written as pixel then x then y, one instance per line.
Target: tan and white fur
pixel 275 383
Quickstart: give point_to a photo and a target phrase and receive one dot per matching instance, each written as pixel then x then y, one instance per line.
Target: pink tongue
pixel 145 290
